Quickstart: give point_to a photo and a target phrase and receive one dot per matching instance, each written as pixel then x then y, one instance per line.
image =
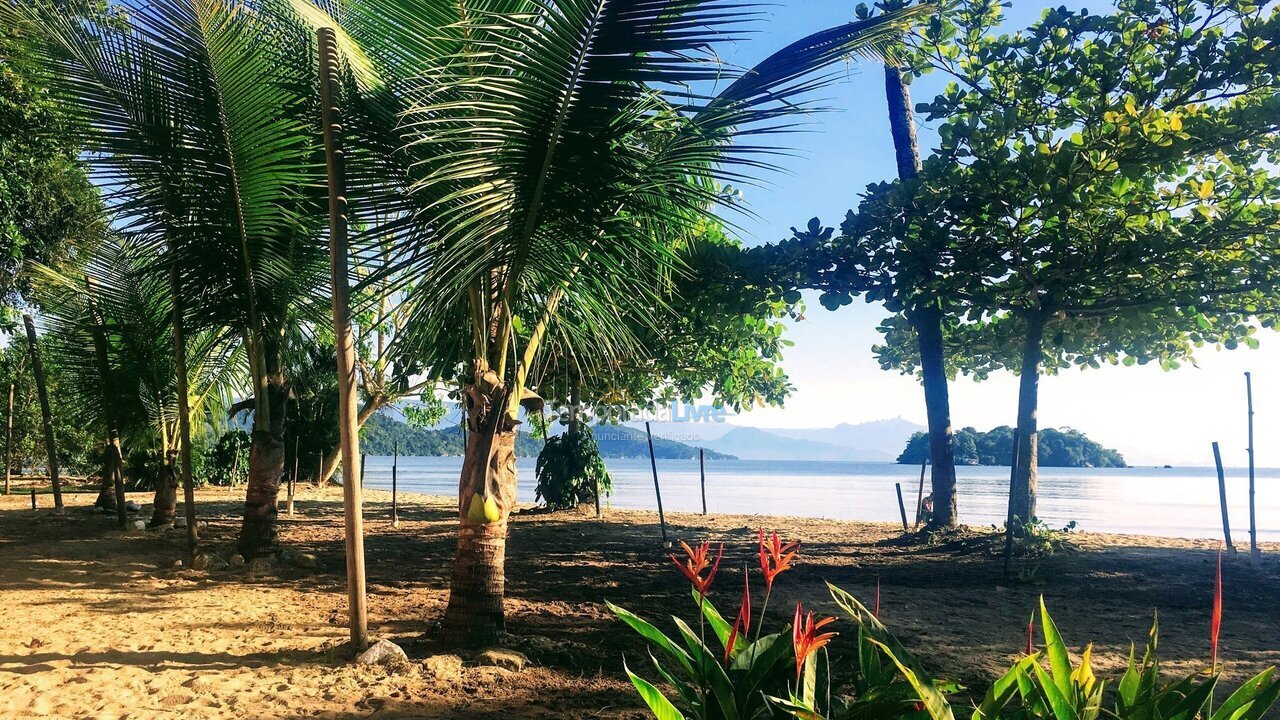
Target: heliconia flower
pixel 1031 630
pixel 697 562
pixel 805 636
pixel 876 611
pixel 775 558
pixel 1215 619
pixel 743 622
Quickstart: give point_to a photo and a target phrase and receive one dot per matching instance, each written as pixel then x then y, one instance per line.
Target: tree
pixel 556 160
pixel 49 212
pixel 1101 190
pixel 201 118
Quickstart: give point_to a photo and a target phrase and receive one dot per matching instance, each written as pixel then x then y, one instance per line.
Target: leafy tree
pixel 1063 447
pixel 49 212
pixel 1100 194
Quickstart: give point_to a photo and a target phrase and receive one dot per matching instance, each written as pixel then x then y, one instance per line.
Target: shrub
pixel 569 469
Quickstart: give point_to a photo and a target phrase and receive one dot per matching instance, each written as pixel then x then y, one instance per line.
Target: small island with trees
pixel 1060 447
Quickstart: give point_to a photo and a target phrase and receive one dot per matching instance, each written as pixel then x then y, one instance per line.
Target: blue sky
pixel 1153 417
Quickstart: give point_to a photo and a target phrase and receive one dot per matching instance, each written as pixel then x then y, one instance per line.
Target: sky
pixel 1151 416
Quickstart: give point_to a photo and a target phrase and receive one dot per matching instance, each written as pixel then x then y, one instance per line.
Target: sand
pixel 96 623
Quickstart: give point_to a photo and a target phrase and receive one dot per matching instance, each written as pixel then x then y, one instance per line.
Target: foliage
pixel 1063 447
pixel 227 460
pixel 49 212
pixel 570 470
pixel 78 447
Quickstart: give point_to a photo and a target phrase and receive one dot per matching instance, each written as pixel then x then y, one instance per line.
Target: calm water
pixel 1178 502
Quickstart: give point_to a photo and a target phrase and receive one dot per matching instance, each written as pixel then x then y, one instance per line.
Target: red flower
pixel 743 622
pixel 775 558
pixel 697 562
pixel 1215 619
pixel 1031 629
pixel 805 636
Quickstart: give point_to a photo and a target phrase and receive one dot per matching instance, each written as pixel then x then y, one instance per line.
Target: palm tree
pixel 200 124
pixel 550 160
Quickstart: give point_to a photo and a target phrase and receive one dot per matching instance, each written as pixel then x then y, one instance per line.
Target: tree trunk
pixel 8 445
pixel 486 495
pixel 165 504
pixel 259 530
pixel 927 320
pixel 50 444
pixel 1023 496
pixel 110 497
pixel 183 388
pixel 334 457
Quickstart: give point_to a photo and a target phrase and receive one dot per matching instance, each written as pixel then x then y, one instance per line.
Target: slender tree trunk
pixel 927 320
pixel 8 444
pixel 486 495
pixel 1023 497
pixel 165 503
pixel 42 389
pixel 109 496
pixel 184 414
pixel 259 530
pixel 334 457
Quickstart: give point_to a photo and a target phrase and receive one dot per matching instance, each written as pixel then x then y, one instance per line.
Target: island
pixel 1059 447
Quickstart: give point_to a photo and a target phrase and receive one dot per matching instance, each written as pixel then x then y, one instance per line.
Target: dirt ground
pixel 95 623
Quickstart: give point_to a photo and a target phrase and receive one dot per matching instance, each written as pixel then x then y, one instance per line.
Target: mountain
pixel 382 433
pixel 875 441
pixel 755 444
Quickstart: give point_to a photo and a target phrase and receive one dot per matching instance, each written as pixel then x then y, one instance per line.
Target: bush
pixel 569 469
pixel 227 462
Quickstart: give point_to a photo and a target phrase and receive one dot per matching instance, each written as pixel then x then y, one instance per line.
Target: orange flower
pixel 805 636
pixel 697 562
pixel 743 622
pixel 1215 619
pixel 775 558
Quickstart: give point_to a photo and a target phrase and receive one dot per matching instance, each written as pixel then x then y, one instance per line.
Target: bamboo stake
pixel 920 494
pixel 395 505
pixel 902 507
pixel 363 457
pixel 33 498
pixel 50 444
pixel 653 462
pixel 348 411
pixel 293 479
pixel 8 445
pixel 702 477
pixel 1222 498
pixel 1254 553
pixel 184 415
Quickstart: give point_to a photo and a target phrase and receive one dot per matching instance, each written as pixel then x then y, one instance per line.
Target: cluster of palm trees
pixel 523 175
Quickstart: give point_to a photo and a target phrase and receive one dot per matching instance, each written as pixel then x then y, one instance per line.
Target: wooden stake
pixel 293 479
pixel 920 494
pixel 184 415
pixel 50 444
pixel 1254 553
pixel 653 462
pixel 33 498
pixel 395 462
pixel 363 457
pixel 348 429
pixel 902 507
pixel 1008 520
pixel 8 444
pixel 702 477
pixel 1222 498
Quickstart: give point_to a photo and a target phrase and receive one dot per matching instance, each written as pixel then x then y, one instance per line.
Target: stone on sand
pixel 443 667
pixel 383 652
pixel 504 658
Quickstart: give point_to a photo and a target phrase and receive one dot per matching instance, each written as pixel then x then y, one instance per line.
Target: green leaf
pixel 655 636
pixel 658 703
pixel 1056 649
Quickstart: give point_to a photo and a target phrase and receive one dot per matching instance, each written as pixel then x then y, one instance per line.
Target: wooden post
pixel 395 462
pixel 1008 519
pixel 702 477
pixel 293 479
pixel 50 444
pixel 902 507
pixel 348 429
pixel 184 414
pixel 1254 553
pixel 920 493
pixel 33 498
pixel 363 457
pixel 1222 498
pixel 653 462
pixel 8 444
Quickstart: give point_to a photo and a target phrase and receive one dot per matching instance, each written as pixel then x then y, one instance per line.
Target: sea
pixel 1170 502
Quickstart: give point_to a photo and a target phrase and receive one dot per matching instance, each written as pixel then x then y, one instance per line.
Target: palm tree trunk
pixel 184 414
pixel 42 389
pixel 259 530
pixel 165 503
pixel 1023 496
pixel 486 495
pixel 927 321
pixel 111 492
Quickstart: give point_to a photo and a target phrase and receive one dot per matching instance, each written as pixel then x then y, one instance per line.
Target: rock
pixel 447 668
pixel 383 652
pixel 261 565
pixel 139 525
pixel 237 560
pixel 202 524
pixel 208 561
pixel 503 658
pixel 132 506
pixel 177 564
pixel 180 521
pixel 289 556
pixel 537 646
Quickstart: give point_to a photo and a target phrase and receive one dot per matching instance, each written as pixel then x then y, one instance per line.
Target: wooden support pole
pixel 50 444
pixel 8 444
pixel 1008 520
pixel 33 498
pixel 1254 553
pixel 293 479
pixel 702 477
pixel 348 412
pixel 653 462
pixel 920 493
pixel 395 504
pixel 363 457
pixel 1222 498
pixel 184 415
pixel 902 507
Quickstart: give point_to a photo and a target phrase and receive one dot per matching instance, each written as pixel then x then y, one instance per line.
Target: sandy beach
pixel 97 623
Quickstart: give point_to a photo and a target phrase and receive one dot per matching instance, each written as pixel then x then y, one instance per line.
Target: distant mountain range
pixel 876 441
